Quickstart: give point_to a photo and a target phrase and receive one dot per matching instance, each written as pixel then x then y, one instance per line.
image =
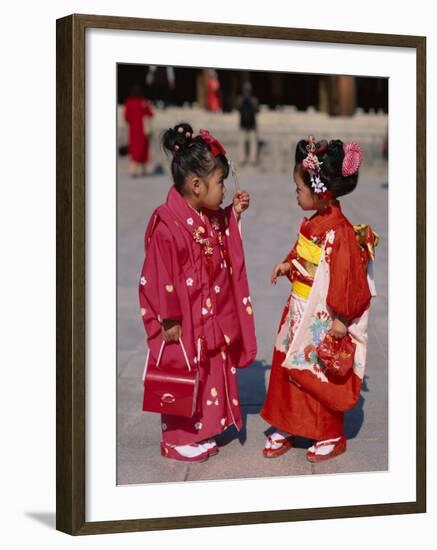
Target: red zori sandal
pixel 276 445
pixel 185 453
pixel 326 449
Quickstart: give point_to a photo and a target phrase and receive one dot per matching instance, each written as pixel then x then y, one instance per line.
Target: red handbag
pixel 170 390
pixel 337 354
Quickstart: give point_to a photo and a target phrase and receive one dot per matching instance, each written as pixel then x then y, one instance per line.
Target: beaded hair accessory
pixel 188 135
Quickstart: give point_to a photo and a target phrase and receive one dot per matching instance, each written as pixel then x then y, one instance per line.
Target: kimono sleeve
pixel 292 255
pixel 348 294
pixel 160 266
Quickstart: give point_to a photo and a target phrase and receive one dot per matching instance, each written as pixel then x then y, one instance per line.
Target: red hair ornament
pixel 214 144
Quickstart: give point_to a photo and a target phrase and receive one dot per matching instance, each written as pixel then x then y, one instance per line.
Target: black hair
pixel 136 90
pixel 330 169
pixel 191 155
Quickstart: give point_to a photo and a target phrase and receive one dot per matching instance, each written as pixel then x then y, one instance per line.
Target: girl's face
pixel 212 190
pixel 306 199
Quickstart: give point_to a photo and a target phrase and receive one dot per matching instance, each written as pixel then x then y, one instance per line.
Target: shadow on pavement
pixel 252 391
pixel 355 417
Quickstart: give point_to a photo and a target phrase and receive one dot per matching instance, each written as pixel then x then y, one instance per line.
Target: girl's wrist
pixel 342 319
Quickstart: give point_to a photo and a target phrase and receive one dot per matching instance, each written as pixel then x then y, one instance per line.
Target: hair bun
pixel 177 138
pixel 335 146
pixel 335 155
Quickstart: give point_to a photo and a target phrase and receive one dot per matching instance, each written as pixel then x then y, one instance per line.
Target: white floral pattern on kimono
pixel 316 322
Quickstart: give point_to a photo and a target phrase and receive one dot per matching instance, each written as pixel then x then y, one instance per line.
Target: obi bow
pixel 367 240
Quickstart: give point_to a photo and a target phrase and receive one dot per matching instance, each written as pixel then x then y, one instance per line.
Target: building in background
pixel 332 94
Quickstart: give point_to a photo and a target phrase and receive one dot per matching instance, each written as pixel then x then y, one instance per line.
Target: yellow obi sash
pixel 308 250
pixel 311 254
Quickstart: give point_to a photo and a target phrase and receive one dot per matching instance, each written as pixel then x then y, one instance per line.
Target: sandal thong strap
pixel 328 442
pixel 276 444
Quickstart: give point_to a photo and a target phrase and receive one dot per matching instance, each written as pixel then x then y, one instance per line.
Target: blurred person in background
pixel 213 95
pixel 248 107
pixel 137 112
pixel 161 83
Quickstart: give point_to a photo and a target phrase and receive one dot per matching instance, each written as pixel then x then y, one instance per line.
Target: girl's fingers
pixel 242 195
pixel 172 336
pixel 274 275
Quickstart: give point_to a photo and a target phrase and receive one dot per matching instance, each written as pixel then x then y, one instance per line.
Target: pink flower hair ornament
pixel 352 159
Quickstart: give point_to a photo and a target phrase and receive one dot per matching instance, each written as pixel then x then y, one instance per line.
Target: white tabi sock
pixel 277 438
pixel 324 449
pixel 208 443
pixel 190 450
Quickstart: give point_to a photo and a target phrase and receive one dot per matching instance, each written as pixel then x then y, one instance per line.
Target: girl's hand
pixel 171 330
pixel 280 270
pixel 240 202
pixel 338 328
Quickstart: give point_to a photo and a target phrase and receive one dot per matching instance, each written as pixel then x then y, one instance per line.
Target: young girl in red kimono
pixel 136 109
pixel 194 289
pixel 329 294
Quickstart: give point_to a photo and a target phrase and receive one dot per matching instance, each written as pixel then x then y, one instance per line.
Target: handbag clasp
pixel 168 398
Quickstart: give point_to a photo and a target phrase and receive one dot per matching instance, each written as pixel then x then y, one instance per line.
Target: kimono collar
pixel 322 221
pixel 196 224
pixel 188 216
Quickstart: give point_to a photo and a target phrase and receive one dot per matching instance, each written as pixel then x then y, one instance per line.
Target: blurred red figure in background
pixel 213 96
pixel 137 111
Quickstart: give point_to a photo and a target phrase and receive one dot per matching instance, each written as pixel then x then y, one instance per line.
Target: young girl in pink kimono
pixel 194 289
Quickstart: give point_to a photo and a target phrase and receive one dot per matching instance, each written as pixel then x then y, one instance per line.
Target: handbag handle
pixel 161 351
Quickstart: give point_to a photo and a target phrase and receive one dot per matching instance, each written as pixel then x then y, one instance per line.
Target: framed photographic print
pixel 240 216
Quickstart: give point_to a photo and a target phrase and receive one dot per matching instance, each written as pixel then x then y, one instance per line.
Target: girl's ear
pixel 194 185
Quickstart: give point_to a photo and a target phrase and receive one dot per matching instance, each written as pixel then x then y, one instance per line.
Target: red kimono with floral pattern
pixel 194 272
pixel 288 406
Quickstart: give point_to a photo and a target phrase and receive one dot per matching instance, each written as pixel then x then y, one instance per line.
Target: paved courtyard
pixel 269 230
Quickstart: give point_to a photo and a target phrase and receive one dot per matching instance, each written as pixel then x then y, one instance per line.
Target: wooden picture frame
pixel 71 284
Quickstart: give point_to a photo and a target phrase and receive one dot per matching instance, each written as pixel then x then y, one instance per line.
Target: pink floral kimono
pixel 194 272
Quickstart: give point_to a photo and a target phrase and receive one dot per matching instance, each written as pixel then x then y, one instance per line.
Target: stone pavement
pixel 269 230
